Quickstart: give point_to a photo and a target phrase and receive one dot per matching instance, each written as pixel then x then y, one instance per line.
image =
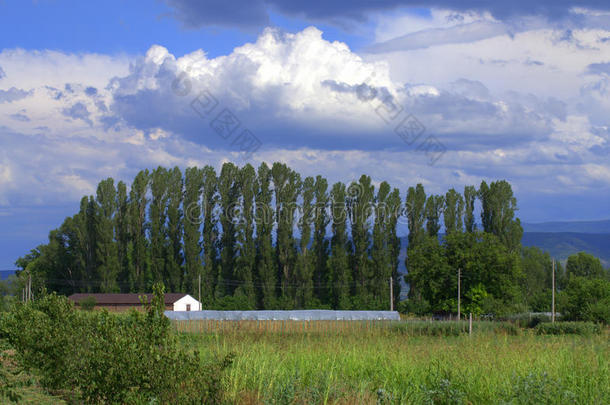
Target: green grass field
pixel 384 366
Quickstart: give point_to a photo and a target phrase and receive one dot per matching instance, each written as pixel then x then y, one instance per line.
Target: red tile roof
pixel 123 299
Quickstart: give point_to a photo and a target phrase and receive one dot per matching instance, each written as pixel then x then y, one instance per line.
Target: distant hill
pixel 563 244
pixel 569 226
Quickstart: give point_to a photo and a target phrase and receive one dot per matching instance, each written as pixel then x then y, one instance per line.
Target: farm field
pixel 380 366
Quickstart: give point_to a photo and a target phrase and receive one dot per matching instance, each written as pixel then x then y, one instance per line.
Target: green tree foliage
pixel 394 210
pixel 453 212
pixel 138 249
pixel 585 299
pixel 584 265
pixel 266 265
pixel 498 213
pixel 416 213
pixel 537 269
pixel 340 246
pixel 237 230
pixel 228 192
pixel 383 248
pixel 158 223
pixel 174 265
pixel 246 260
pixel 106 248
pixel 360 205
pixel 306 259
pixel 320 243
pixel 193 185
pixel 210 236
pixel 434 209
pixel 470 196
pixel 491 273
pixel 287 186
pixel 121 230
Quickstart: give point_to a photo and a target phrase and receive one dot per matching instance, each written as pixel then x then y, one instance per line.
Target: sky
pixel 443 93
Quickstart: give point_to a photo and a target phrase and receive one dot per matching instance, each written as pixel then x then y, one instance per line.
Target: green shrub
pixel 87 303
pixel 569 328
pixel 528 320
pixel 105 358
pixel 586 300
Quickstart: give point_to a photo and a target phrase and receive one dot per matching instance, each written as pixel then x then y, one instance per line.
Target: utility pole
pixel 459 293
pixel 200 292
pixel 553 294
pixel 391 295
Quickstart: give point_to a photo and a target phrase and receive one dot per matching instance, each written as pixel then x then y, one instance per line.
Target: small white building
pixel 187 303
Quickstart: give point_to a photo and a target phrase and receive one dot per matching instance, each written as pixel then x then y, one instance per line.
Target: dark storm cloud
pixel 255 13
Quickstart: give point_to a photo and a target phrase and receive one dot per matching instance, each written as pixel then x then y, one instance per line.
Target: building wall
pixel 181 304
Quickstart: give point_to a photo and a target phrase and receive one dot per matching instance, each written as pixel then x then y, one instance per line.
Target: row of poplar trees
pixel 244 238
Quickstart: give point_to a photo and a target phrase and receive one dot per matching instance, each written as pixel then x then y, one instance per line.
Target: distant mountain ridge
pixel 560 245
pixel 596 227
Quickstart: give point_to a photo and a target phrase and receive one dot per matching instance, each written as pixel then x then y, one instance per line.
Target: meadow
pixel 377 364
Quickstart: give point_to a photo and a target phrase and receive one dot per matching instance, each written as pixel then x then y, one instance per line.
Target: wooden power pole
pixel 391 295
pixel 459 293
pixel 553 293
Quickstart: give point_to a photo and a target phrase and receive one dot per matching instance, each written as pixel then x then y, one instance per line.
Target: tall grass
pixel 383 366
pixel 331 328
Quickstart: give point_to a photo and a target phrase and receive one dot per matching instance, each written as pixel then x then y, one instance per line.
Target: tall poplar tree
pixel 434 209
pixel 228 193
pixel 265 262
pixel 454 211
pixel 158 223
pixel 139 272
pixel 498 213
pixel 320 242
pixel 106 248
pixel 416 204
pixel 174 271
pixel 306 259
pixel 193 184
pixel 361 206
pixel 210 236
pixel 338 262
pixel 470 196
pixel 394 211
pixel 382 249
pixel 287 186
pixel 122 235
pixel 245 237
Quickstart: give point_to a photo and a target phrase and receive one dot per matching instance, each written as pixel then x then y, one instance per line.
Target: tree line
pixel 269 238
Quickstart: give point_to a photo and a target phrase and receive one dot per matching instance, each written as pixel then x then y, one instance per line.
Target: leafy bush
pixel 87 303
pixel 107 358
pixel 572 328
pixel 586 300
pixel 528 320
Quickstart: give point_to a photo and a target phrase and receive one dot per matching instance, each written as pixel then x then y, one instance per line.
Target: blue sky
pixel 502 90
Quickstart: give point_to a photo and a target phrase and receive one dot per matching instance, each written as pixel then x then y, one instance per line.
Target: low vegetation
pixel 97 357
pixel 393 368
